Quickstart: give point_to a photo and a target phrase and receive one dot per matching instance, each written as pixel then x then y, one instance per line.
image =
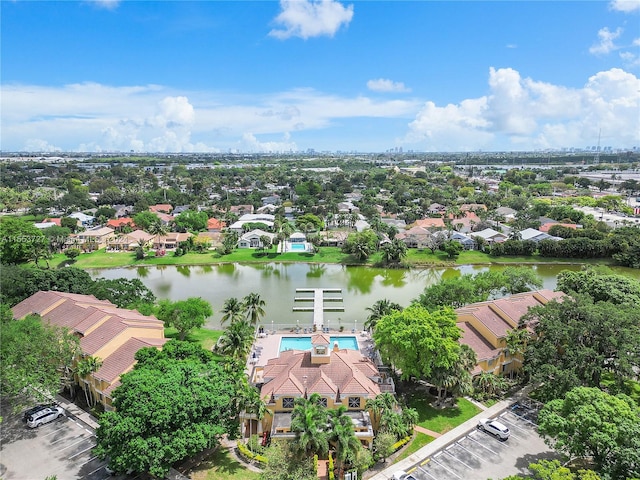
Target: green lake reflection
pixel 277 282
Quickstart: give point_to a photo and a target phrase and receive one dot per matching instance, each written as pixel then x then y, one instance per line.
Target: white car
pixel 402 475
pixel 45 415
pixel 494 428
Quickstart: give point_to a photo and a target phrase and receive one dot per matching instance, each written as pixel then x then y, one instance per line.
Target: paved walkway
pixel 431 433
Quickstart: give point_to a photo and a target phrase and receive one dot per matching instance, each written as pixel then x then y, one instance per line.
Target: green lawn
pixel 441 420
pixel 419 440
pixel 415 258
pixel 204 336
pixel 220 465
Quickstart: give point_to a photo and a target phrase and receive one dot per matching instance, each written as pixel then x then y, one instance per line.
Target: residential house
pixel 43 225
pixel 347 207
pixel 466 223
pixel 165 218
pixel 56 221
pixel 271 200
pixel 130 241
pixel 466 241
pixel 361 225
pixel 241 209
pixel 332 238
pixel 507 213
pixel 161 208
pixel 268 208
pixel 340 377
pixel 394 222
pixel 179 209
pixel 416 237
pixel 118 224
pixel 170 241
pixel 215 225
pixel 265 218
pixel 545 228
pixel 491 236
pixel 436 208
pixel 473 207
pixel 209 240
pixel 111 334
pixel 91 239
pixel 485 326
pixel 431 223
pixel 83 219
pixel 123 210
pixel 253 239
pixel 536 235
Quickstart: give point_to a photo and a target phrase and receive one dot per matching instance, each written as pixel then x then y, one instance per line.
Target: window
pixel 321 350
pixel 287 402
pixel 354 402
pixel 323 402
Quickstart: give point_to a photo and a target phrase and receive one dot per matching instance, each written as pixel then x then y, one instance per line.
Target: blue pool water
pixel 297 247
pixel 304 343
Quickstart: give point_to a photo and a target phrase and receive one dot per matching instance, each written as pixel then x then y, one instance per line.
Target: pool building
pixel 332 366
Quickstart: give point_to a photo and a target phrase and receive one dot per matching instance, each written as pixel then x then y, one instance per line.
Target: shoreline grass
pixel 328 255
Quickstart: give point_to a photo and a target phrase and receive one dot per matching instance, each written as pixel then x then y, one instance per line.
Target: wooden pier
pixel 318 300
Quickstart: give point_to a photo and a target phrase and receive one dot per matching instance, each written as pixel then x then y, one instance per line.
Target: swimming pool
pixel 297 247
pixel 304 343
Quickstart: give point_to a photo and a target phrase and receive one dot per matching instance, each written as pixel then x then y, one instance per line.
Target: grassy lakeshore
pixel 332 255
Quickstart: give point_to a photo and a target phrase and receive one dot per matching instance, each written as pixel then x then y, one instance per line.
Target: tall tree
pixel 19 240
pixel 378 310
pixel 34 357
pixel 174 403
pixel 578 341
pixel 342 436
pixel 236 340
pixel 309 421
pixel 184 315
pixel 232 310
pixel 85 367
pixel 594 425
pixel 253 307
pixel 417 341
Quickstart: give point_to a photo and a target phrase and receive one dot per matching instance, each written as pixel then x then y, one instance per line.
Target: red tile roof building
pixel 485 326
pixel 106 332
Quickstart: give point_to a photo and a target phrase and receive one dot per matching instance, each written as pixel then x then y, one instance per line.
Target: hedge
pixel 245 452
pixel 400 443
pixel 332 474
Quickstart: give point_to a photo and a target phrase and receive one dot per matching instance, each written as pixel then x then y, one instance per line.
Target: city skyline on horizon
pixel 299 76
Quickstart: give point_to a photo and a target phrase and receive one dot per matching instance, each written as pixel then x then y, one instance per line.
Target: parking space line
pixel 81 452
pixel 521 418
pixel 426 460
pixel 52 432
pixel 447 469
pixel 486 448
pixel 456 458
pixel 96 470
pixel 428 474
pixel 68 446
pixel 469 451
pixel 67 438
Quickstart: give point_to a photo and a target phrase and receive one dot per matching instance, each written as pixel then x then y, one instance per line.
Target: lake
pixel 277 282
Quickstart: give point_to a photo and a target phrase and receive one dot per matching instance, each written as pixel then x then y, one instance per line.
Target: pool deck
pixel 267 346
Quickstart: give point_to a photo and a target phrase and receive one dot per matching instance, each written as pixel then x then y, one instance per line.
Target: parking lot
pixel 63 448
pixel 479 455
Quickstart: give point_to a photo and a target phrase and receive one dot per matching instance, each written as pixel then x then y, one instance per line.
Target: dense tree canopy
pixel 35 358
pixel 173 404
pixel 184 315
pixel 600 286
pixel 125 293
pixel 591 424
pixel 18 239
pixel 417 341
pixel 578 341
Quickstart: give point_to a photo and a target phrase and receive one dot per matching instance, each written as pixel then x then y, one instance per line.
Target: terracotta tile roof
pixel 470 336
pixel 123 359
pixel 102 335
pixel 430 223
pixel 347 371
pixel 215 224
pixel 120 222
pixel 43 301
pixel 57 221
pixel 320 339
pixel 545 228
pixel 161 208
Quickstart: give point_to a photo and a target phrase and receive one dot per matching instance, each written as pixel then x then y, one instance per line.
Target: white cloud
pixel 106 4
pixel 606 41
pixel 526 114
pixel 250 143
pixel 625 5
pixel 311 18
pixel 386 85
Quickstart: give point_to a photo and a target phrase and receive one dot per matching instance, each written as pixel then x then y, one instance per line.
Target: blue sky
pixel 366 76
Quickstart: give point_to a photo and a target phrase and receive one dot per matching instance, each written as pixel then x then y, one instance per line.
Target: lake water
pixel 277 282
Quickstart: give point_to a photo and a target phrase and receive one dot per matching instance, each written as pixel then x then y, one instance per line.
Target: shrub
pixel 245 452
pixel 332 474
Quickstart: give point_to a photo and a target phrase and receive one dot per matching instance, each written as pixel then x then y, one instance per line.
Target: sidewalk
pixel 448 438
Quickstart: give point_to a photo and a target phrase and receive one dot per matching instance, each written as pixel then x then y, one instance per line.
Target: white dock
pixel 318 299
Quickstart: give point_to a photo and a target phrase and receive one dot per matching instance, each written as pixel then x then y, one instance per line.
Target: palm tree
pixel 232 310
pixel 253 405
pixel 87 366
pixel 516 341
pixel 490 384
pixel 378 310
pixel 377 406
pixel 342 435
pixel 236 340
pixel 253 308
pixel 309 421
pixel 393 253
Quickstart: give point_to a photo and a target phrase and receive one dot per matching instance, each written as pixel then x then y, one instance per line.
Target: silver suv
pixel 46 415
pixel 494 428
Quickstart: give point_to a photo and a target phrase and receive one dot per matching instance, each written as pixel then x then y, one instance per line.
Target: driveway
pixel 62 448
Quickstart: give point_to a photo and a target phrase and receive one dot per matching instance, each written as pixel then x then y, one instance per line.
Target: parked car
pixel 402 475
pixel 494 428
pixel 46 415
pixel 36 409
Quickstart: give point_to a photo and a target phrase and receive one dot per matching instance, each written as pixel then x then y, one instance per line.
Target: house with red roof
pixel 109 333
pixel 430 223
pixel 161 208
pixel 485 326
pixel 215 225
pixel 119 223
pixel 341 377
